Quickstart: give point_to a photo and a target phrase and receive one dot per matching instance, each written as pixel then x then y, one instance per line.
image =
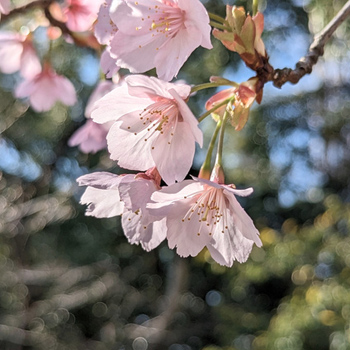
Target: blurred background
pixel 73 282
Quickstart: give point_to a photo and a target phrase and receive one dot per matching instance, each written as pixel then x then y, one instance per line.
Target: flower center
pixel 160 117
pixel 165 19
pixel 208 210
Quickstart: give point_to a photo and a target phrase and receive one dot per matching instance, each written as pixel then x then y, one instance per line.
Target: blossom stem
pixel 220 26
pixel 206 167
pixel 255 7
pixel 217 18
pixel 218 161
pixel 212 85
pixel 204 115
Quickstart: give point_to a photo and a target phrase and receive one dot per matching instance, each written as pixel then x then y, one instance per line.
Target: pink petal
pixel 150 236
pixel 5 6
pixel 30 63
pixel 115 104
pixel 101 180
pixel 131 151
pixel 90 138
pixel 197 16
pixel 184 234
pixel 64 90
pixel 103 87
pixel 11 48
pixel 102 203
pixel 170 194
pixel 237 192
pixel 104 27
pixel 108 64
pixel 151 87
pixel 129 16
pixel 188 117
pixel 136 193
pixel 129 48
pixel 227 247
pixel 173 154
pixel 243 222
pixel 175 52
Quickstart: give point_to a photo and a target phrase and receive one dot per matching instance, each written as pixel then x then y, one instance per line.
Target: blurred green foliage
pixel 73 282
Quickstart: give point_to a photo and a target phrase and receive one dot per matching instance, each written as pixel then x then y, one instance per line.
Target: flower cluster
pixel 152 129
pixel 155 131
pixel 144 121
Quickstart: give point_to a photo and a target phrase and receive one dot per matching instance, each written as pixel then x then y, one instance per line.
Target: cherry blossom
pixel 18 54
pixel 154 126
pixel 81 14
pixel 5 6
pixel 109 195
pixel 158 33
pixel 201 213
pixel 45 88
pixel 91 137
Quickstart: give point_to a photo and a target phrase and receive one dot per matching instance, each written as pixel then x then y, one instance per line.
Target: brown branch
pixel 305 65
pixel 20 10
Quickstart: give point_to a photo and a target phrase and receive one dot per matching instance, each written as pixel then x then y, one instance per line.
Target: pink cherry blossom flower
pixel 45 88
pixel 91 137
pixel 154 126
pixel 5 6
pixel 203 213
pixel 81 14
pixel 109 195
pixel 158 33
pixel 18 54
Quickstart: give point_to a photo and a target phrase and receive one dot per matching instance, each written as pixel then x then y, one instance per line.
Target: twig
pixel 280 76
pixel 25 8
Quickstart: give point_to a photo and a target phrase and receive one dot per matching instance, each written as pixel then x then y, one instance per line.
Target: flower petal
pixel 102 203
pixel 173 153
pixel 188 117
pixel 130 150
pixel 115 104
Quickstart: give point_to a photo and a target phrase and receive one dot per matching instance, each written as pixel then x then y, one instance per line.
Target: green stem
pixel 204 115
pixel 255 7
pixel 206 167
pixel 220 26
pixel 217 18
pixel 218 160
pixel 212 85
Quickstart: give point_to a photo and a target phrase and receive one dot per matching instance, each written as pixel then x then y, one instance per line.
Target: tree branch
pixel 305 65
pixel 20 10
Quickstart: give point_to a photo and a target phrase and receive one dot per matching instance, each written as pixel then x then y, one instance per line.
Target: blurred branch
pixel 96 291
pixel 22 337
pixel 280 76
pixel 20 10
pixel 154 330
